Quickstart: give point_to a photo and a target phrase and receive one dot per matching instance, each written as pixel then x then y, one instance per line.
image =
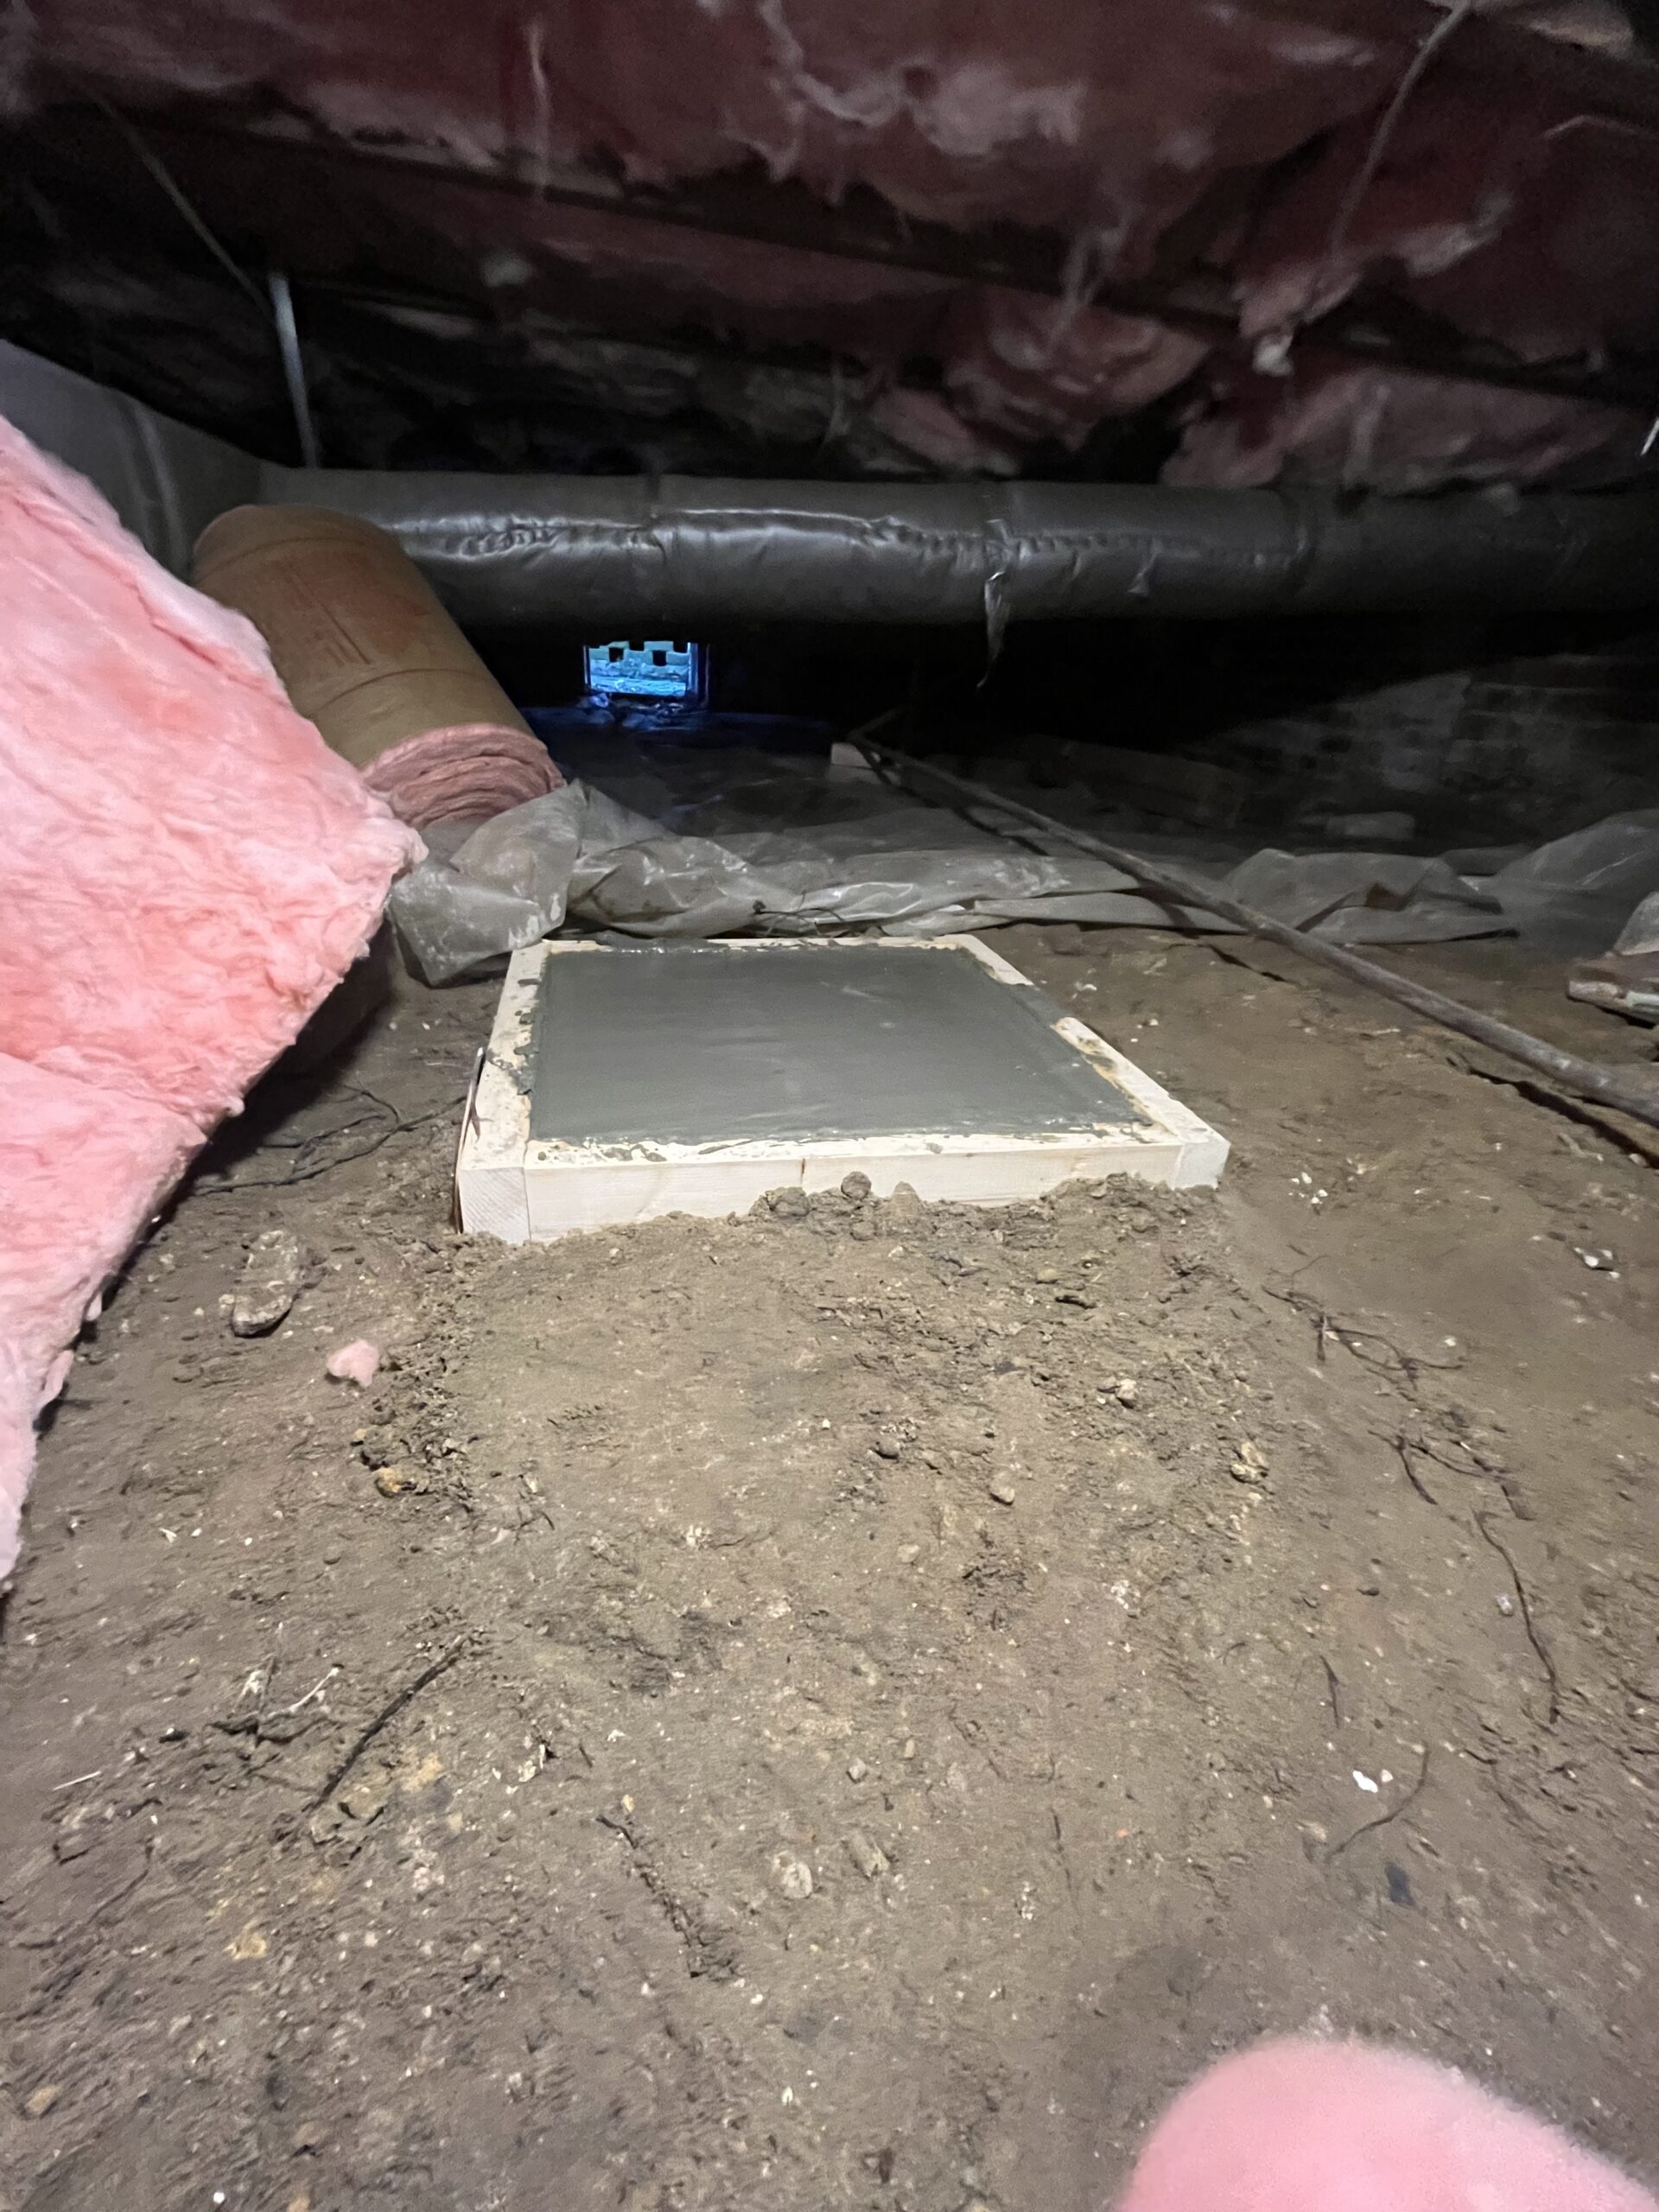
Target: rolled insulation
pixel 368 653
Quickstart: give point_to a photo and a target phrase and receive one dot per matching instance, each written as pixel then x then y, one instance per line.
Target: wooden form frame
pixel 520 1190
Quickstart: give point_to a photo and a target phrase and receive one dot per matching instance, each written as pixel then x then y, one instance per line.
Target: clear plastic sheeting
pixel 652 840
pixel 1576 894
pixel 584 857
pixel 1367 898
pixel 501 886
pixel 1640 935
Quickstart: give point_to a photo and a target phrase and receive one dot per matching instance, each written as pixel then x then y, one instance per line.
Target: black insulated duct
pixel 689 553
pixel 685 552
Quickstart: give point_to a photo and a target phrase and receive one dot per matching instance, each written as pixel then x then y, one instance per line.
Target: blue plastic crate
pixel 646 668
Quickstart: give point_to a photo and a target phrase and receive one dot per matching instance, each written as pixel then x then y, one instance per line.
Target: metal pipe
pixel 288 345
pixel 689 551
pixel 1629 1089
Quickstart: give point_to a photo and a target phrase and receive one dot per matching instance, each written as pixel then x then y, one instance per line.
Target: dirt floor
pixel 848 1707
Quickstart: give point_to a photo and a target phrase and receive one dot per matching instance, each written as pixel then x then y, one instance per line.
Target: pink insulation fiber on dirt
pixel 188 872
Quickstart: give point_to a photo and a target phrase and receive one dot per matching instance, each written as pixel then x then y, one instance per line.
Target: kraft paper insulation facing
pixel 189 872
pixel 365 652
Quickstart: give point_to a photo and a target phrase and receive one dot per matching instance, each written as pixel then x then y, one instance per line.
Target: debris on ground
pixel 272 1277
pixel 664 843
pixel 1250 1463
pixel 869 1858
pixel 793 1878
pixel 357 1362
pixel 1624 981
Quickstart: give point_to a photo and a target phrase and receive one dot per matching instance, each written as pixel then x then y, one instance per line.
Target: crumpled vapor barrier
pixel 1640 935
pixel 1580 893
pixel 189 873
pixel 654 842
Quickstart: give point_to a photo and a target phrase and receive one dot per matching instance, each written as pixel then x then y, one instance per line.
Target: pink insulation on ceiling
pixel 1153 135
pixel 1525 222
pixel 1112 117
pixel 1335 422
pixel 1035 368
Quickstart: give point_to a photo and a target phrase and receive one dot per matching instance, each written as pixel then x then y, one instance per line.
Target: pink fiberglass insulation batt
pixel 188 871
pixel 1298 2126
pixel 470 772
pixel 81 1169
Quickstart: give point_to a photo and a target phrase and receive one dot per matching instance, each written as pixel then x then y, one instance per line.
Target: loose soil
pixel 848 1707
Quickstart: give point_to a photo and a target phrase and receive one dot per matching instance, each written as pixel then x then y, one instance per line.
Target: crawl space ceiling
pixel 1356 242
